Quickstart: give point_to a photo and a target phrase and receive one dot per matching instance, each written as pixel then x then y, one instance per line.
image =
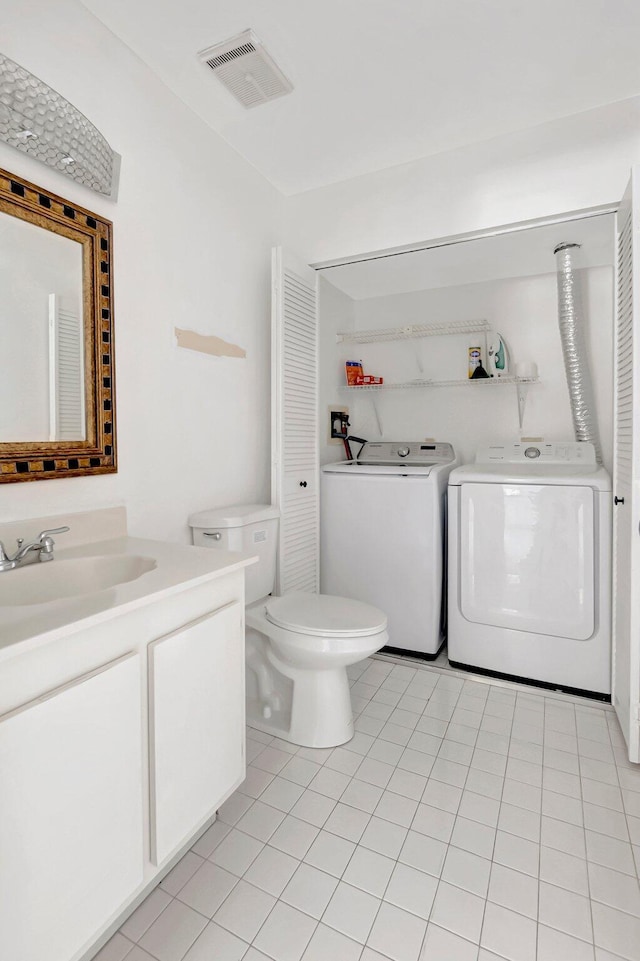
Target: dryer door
pixel 527 558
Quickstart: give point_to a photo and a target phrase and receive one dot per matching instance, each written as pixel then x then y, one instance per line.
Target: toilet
pixel 298 646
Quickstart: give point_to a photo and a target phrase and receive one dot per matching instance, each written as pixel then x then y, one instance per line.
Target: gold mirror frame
pixel 42 460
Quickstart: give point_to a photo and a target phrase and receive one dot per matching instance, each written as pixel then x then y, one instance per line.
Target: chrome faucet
pixel 43 544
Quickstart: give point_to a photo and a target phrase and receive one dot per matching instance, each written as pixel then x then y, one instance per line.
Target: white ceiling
pixel 383 82
pixel 523 253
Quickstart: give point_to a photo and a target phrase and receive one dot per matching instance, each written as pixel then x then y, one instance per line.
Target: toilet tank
pixel 251 528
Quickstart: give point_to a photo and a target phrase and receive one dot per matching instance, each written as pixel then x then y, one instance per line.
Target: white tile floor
pixel 465 821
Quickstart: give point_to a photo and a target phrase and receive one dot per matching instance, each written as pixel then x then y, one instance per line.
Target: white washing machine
pixel 530 565
pixel 382 537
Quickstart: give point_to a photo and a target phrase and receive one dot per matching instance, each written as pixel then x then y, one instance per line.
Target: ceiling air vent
pixel 245 68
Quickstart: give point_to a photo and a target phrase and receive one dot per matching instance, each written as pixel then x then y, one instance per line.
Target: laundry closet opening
pixel 504 281
pixel 416 325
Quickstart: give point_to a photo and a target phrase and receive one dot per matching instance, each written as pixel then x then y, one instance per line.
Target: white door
pixel 71 826
pixel 626 476
pixel 527 558
pixel 294 432
pixel 196 724
pixel 66 372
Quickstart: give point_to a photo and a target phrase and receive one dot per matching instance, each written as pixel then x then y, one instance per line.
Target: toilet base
pixel 318 715
pixel 297 685
pixel 277 725
pixel 321 713
pixel 308 708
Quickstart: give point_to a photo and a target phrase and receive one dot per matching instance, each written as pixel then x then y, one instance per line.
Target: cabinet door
pixel 527 558
pixel 196 724
pixel 71 835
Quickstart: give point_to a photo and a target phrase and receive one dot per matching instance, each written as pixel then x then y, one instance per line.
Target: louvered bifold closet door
pixel 626 535
pixel 294 422
pixel 66 380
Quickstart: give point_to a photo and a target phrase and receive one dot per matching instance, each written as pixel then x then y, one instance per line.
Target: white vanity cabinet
pixel 71 811
pixel 121 732
pixel 196 724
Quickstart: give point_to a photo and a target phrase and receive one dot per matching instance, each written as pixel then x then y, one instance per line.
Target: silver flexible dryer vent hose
pixel 574 349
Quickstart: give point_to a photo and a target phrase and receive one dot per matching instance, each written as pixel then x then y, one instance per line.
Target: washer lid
pixel 553 474
pixel 356 469
pixel 319 614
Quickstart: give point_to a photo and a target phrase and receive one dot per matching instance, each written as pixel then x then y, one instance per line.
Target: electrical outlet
pixel 338 424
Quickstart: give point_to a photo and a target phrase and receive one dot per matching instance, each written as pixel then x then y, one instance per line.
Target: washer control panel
pixel 557 452
pixel 414 453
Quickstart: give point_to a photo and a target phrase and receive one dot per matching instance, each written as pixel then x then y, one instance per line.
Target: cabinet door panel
pixel 196 724
pixel 71 835
pixel 527 558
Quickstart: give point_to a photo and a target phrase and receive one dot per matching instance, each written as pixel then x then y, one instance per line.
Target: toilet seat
pixel 324 615
pixel 297 647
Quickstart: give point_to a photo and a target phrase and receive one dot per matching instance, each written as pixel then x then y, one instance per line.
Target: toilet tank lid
pixel 237 515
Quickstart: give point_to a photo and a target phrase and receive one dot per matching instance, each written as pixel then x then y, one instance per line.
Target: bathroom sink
pixel 40 583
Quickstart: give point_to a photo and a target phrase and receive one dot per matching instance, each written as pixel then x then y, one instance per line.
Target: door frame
pixel 453 239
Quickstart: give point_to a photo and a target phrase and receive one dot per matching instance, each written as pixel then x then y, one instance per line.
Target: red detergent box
pixel 353 370
pixel 367 379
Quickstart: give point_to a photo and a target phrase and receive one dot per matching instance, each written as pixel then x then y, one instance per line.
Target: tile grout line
pixel 442 739
pixel 400 733
pixel 396 860
pixel 584 832
pixel 486 900
pixel 426 920
pixel 435 896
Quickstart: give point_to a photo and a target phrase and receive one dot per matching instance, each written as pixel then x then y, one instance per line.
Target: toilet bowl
pixel 312 639
pixel 298 646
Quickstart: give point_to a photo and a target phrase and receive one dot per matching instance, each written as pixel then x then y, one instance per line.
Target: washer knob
pixel 532 452
pixel 403 451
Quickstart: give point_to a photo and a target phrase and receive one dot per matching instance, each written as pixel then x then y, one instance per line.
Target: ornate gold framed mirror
pixel 57 390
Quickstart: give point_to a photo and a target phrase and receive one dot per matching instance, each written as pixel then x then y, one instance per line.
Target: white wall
pixel 576 163
pixel 524 311
pixel 192 226
pixel 569 164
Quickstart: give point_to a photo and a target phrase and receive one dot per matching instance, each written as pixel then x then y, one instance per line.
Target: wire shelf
pixel 412 331
pixel 466 382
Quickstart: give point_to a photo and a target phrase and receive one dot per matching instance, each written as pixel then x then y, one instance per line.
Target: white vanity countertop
pixel 178 567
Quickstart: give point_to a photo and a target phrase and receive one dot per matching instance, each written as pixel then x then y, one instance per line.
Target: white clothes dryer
pixel 530 566
pixel 382 537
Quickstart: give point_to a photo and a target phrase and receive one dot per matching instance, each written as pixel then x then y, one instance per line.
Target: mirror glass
pixel 42 387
